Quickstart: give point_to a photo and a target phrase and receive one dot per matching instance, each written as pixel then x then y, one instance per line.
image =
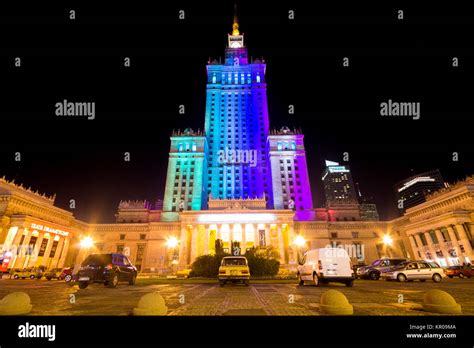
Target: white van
pixel 326 265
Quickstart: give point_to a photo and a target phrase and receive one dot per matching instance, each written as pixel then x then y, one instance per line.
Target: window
pixel 258 78
pixel 355 234
pixel 122 237
pixel 142 236
pixel 333 234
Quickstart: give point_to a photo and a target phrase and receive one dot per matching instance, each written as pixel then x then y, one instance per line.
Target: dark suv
pixel 108 269
pixel 372 271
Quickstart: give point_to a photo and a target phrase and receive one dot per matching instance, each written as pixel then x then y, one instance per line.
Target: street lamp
pixel 86 243
pixel 387 240
pixel 172 244
pixel 300 242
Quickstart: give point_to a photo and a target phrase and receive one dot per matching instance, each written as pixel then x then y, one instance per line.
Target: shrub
pixel 206 266
pixel 261 262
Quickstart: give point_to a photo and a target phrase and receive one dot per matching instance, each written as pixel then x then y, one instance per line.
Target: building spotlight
pixel 387 240
pixel 86 242
pixel 299 241
pixel 172 242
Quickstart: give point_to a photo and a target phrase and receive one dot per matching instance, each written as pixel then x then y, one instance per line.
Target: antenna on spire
pixel 235 26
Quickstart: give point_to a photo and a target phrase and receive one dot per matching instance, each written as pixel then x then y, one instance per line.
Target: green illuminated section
pixel 186 166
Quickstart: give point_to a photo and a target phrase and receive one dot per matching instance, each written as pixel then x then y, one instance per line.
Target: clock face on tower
pixel 235 44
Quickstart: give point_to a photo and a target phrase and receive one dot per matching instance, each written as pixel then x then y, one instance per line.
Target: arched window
pixel 293 145
pixel 258 78
pixel 194 147
pixel 279 146
pixel 214 79
pixel 187 146
pixel 249 78
pixel 180 147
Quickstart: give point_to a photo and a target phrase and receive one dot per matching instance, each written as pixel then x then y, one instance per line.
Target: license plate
pixel 234 272
pixel 83 279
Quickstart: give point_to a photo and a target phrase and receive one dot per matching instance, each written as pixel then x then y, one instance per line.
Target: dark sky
pixel 137 107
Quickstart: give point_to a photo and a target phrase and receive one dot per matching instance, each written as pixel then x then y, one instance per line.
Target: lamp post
pixel 84 245
pixel 387 241
pixel 172 244
pixel 300 243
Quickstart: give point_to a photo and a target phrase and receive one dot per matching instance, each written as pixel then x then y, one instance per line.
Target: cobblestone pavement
pixel 367 297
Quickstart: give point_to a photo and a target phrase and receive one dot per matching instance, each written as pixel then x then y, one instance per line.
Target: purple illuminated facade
pixel 242 159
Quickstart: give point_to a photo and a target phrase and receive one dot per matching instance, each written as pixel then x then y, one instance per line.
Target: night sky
pixel 338 108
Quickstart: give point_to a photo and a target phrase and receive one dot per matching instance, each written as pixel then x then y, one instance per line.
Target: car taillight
pixel 221 272
pixel 320 265
pixel 109 266
pixel 245 272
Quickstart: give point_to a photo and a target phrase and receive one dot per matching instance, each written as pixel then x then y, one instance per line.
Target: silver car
pixel 415 270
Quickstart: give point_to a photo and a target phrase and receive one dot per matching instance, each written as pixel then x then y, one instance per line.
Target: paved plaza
pixel 207 298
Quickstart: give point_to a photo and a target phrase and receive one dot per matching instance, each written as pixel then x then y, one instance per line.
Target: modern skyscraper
pixel 338 185
pixel 413 190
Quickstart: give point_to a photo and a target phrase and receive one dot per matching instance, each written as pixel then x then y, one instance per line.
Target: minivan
pixel 326 265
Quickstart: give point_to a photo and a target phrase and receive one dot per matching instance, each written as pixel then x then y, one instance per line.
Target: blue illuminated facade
pixel 241 159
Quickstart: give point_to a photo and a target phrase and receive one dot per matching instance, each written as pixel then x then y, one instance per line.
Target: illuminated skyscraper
pixel 236 124
pixel 413 190
pixel 338 185
pixel 236 158
pixel 290 183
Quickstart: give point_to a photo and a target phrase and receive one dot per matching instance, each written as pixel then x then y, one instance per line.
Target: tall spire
pixel 235 26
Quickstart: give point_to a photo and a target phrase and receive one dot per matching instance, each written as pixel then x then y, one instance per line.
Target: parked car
pixel 326 265
pixel 415 270
pixel 31 273
pixel 66 274
pixel 459 271
pixel 109 269
pixel 234 269
pixel 373 270
pixel 54 273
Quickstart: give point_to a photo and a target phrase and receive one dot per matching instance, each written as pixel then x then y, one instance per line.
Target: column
pixel 34 256
pixel 268 238
pixel 59 251
pixel 411 238
pixel 454 242
pixel 243 245
pixel 281 245
pixel 193 244
pixel 430 245
pixel 206 239
pixel 420 244
pixel 183 259
pixel 442 245
pixel 23 257
pixel 465 241
pixel 62 259
pixel 48 250
pixel 16 250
